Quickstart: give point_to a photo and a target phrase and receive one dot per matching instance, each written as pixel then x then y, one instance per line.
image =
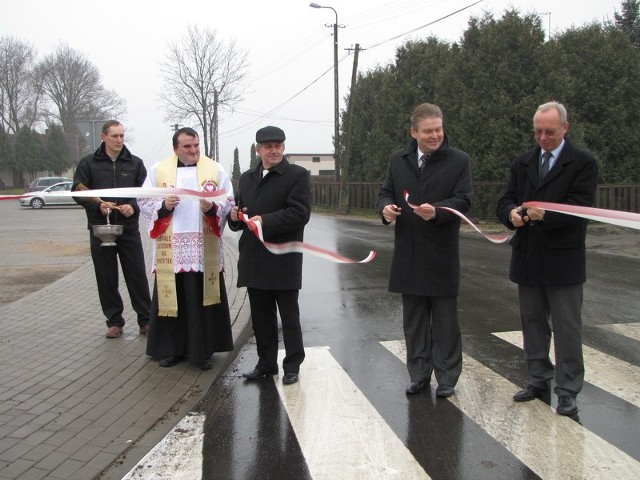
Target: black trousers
pixel 433 339
pixel 264 318
pixel 105 263
pixel 558 306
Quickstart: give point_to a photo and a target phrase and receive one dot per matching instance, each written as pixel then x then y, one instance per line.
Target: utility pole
pixel 175 127
pixel 336 95
pixel 336 98
pixel 343 203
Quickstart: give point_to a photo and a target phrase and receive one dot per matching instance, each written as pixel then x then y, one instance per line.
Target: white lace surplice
pixel 187 241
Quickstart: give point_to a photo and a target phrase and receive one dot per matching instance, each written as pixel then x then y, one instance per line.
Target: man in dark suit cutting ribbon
pixel 548 254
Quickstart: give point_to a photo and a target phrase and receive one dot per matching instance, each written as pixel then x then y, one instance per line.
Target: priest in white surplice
pixel 189 312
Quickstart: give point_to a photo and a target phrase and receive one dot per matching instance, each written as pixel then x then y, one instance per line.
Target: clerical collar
pixel 180 164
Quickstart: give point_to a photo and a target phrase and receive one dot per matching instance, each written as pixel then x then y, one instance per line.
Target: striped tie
pixel 423 163
pixel 544 168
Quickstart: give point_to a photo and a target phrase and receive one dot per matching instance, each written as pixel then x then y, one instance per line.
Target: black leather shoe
pixel 290 378
pixel 531 392
pixel 255 374
pixel 567 405
pixel 206 365
pixel 444 391
pixel 168 361
pixel 417 386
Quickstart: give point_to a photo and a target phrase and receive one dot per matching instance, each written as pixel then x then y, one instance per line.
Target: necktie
pixel 423 163
pixel 544 168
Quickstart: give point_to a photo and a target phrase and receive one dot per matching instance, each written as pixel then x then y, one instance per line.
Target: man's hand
pixel 126 210
pixel 205 205
pixel 535 214
pixel 426 211
pixel 517 218
pixel 106 207
pixel 171 202
pixel 234 213
pixel 390 212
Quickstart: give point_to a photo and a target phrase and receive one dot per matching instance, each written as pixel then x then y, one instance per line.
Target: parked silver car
pixel 48 197
pixel 43 182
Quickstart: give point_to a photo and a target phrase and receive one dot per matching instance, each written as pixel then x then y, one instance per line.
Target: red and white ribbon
pixel 501 238
pixel 299 247
pixel 145 192
pixel 614 217
pixel 131 192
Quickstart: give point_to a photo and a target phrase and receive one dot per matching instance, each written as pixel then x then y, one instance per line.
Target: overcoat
pixel 551 251
pixel 426 253
pixel 283 199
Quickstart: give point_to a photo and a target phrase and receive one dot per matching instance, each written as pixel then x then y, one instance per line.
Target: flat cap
pixel 270 134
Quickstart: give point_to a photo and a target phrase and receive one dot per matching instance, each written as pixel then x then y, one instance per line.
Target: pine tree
pixel 58 159
pixel 629 20
pixel 254 157
pixel 236 164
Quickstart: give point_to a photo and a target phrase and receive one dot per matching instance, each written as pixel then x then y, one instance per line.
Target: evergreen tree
pixel 30 153
pixel 629 20
pixel 494 87
pixel 58 158
pixel 378 126
pixel 489 85
pixel 254 157
pixel 600 71
pixel 5 149
pixel 236 164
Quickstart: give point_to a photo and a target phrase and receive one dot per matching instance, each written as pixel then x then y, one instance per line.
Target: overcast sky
pixel 289 47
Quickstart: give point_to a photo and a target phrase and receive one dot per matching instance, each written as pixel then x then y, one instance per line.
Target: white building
pixel 319 164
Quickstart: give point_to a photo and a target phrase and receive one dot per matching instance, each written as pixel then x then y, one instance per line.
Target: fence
pixel 363 196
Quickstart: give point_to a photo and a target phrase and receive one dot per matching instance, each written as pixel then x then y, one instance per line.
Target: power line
pixel 425 25
pixel 244 128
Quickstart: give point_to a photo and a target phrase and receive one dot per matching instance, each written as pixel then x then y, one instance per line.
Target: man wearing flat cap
pixel 278 195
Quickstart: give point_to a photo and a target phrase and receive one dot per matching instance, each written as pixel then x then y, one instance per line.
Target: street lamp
pixel 336 106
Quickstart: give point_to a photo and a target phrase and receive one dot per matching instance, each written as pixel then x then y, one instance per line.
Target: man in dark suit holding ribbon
pixel 426 260
pixel 278 195
pixel 548 254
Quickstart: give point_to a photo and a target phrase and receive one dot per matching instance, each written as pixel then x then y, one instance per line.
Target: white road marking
pixel 630 330
pixel 177 457
pixel 341 434
pixel 553 446
pixel 612 374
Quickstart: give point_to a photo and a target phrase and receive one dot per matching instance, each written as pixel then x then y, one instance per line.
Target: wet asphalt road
pixel 252 429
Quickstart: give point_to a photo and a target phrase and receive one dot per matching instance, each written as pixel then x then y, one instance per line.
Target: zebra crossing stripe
pixel 177 457
pixel 553 446
pixel 340 433
pixel 629 330
pixel 609 373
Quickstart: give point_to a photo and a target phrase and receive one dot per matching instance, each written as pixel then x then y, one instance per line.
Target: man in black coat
pixel 548 254
pixel 278 195
pixel 111 166
pixel 426 262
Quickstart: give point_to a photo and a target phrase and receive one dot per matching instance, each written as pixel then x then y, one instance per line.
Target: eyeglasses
pixel 538 132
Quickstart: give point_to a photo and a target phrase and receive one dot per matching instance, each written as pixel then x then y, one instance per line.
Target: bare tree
pixel 19 90
pixel 73 86
pixel 201 76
